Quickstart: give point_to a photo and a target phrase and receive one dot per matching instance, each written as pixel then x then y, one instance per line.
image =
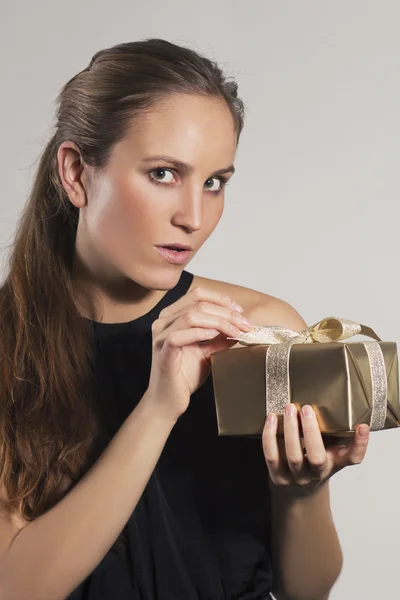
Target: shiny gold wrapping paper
pixel 335 378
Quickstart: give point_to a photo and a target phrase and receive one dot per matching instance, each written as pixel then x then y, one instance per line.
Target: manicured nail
pixel 271 420
pixel 237 307
pixel 247 323
pixel 307 411
pixel 211 332
pixel 290 410
pixel 363 430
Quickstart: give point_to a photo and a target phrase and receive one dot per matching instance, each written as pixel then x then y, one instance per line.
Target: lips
pixel 178 247
pixel 173 255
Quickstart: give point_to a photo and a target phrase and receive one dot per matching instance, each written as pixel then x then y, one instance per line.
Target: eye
pixel 162 175
pixel 215 184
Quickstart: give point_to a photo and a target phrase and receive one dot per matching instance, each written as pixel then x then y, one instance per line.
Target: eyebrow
pixel 184 166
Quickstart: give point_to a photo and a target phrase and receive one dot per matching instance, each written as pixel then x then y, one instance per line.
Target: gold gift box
pixel 334 378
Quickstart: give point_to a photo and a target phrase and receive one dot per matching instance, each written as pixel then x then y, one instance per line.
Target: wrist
pixel 296 493
pixel 157 410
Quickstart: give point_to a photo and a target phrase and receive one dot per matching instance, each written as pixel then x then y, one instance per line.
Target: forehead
pixel 188 127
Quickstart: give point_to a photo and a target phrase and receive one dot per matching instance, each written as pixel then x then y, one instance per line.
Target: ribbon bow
pixel 280 341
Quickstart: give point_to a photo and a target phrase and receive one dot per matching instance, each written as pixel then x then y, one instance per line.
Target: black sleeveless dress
pixel 201 529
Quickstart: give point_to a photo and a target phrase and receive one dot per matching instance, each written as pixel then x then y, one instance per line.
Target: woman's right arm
pixel 52 555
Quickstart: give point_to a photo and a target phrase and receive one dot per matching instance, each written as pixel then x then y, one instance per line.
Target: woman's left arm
pixel 306 553
pixel 305 547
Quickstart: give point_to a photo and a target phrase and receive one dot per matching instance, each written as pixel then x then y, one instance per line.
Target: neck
pixel 111 301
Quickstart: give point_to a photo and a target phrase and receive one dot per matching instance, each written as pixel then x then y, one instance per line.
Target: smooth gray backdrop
pixel 312 215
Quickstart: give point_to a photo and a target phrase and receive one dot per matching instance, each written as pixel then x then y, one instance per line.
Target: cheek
pixel 213 214
pixel 125 213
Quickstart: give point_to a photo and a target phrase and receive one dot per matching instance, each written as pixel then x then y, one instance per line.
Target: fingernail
pixel 237 307
pixel 247 323
pixel 271 420
pixel 211 333
pixel 290 410
pixel 363 430
pixel 307 411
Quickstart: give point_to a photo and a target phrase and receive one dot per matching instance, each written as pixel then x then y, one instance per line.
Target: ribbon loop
pixel 333 330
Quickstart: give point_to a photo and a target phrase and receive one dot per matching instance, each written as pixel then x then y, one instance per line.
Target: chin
pixel 161 278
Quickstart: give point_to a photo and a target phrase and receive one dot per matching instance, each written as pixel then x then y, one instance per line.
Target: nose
pixel 189 213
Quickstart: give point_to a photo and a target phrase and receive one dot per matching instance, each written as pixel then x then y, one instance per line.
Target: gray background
pixel 312 214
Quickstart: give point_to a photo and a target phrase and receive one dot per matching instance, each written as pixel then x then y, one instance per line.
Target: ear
pixel 71 168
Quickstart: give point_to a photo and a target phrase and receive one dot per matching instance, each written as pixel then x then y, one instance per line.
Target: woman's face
pixel 163 184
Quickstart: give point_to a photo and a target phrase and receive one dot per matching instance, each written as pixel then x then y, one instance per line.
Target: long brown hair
pixel 49 425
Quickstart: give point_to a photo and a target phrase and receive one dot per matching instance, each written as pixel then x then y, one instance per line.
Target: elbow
pixel 317 589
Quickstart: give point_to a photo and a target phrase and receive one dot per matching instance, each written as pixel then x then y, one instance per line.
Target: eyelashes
pixel 224 181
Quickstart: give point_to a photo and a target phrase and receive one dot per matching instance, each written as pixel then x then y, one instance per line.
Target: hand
pixel 184 336
pixel 306 470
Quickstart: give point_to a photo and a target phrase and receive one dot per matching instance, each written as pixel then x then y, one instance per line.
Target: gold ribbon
pixel 281 340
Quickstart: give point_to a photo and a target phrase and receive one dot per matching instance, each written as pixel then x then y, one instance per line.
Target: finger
pixel 216 344
pixel 293 447
pixel 270 444
pixel 184 337
pixel 358 448
pixel 176 340
pixel 229 314
pixel 314 444
pixel 194 318
pixel 198 294
pixel 331 440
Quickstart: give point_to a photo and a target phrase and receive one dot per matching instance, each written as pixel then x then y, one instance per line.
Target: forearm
pixel 52 555
pixel 305 548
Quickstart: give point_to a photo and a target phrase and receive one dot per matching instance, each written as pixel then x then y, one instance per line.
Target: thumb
pixel 216 344
pixel 170 356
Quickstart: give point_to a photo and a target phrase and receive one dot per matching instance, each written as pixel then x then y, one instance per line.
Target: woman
pixel 114 482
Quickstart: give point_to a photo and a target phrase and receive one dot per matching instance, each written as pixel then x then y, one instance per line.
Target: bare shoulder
pixel 260 308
